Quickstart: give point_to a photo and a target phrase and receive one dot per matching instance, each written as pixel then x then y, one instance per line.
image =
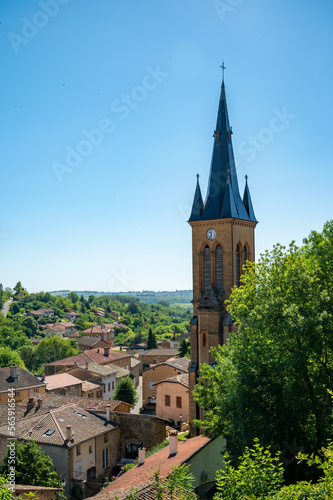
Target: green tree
pixel 18 289
pixel 133 308
pixel 10 358
pixel 272 377
pixel 183 348
pixel 15 308
pixel 30 326
pixel 5 492
pixel 257 475
pixel 151 341
pixel 27 354
pixel 32 466
pixel 52 349
pixel 126 391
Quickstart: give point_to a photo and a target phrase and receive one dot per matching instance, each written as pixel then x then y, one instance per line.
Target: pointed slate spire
pixel 228 205
pixel 197 203
pixel 222 161
pixel 247 201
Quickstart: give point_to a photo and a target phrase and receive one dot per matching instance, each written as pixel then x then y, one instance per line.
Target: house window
pixel 90 449
pixel 167 400
pixel 204 340
pixel 36 390
pixel 106 462
pixel 112 385
pixel 17 393
pixel 78 468
pixel 151 386
pixel 106 437
pixel 109 386
pixel 78 449
pixel 72 390
pixel 178 402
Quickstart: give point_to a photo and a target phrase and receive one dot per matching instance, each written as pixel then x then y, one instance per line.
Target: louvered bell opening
pixel 237 266
pixel 207 268
pixel 219 269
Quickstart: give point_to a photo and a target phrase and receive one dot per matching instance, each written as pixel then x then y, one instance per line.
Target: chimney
pixel 39 403
pixel 76 364
pixel 63 368
pixel 173 443
pixel 142 456
pixel 68 432
pixel 30 403
pixel 43 377
pixel 106 351
pixel 108 408
pixel 86 365
pixel 14 372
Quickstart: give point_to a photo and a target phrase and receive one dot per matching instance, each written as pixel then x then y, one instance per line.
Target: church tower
pixel 222 241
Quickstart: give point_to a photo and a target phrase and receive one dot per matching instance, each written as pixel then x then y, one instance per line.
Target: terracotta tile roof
pixel 61 380
pixel 91 341
pixel 90 356
pixel 144 491
pixel 50 428
pixel 159 460
pixel 88 385
pixel 178 379
pixel 134 362
pixel 160 352
pixel 25 379
pixel 50 400
pixel 179 363
pixel 67 324
pixel 101 369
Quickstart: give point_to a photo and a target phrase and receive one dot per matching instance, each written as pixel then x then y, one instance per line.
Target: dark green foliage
pixel 32 465
pixel 126 391
pixel 10 358
pixel 257 475
pixel 151 341
pixel 183 348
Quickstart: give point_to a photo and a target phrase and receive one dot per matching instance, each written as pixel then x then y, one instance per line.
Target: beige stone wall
pixel 148 359
pixel 155 374
pixel 112 444
pixel 172 412
pixel 23 393
pixel 71 390
pixel 145 429
pixel 135 371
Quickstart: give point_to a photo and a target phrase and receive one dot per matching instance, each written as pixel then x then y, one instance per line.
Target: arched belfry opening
pixel 207 268
pixel 219 278
pixel 238 265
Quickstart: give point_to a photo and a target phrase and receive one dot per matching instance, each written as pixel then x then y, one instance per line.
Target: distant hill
pixel 180 297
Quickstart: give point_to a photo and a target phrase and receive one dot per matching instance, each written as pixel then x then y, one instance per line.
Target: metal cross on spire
pixel 223 68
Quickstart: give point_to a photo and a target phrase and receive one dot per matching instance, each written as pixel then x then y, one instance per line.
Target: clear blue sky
pixel 146 73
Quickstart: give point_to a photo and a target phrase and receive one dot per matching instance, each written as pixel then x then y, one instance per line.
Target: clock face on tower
pixel 211 234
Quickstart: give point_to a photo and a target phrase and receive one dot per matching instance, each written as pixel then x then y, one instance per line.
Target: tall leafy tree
pixel 32 466
pixel 271 380
pixel 151 341
pixel 125 391
pixel 10 358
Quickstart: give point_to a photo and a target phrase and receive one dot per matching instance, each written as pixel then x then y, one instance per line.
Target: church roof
pixel 223 199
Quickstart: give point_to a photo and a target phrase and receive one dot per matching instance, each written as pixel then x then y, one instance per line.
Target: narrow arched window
pixel 207 268
pixel 219 269
pixel 238 265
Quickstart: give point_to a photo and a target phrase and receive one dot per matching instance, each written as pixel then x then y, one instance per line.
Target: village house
pixel 55 329
pixel 64 384
pixel 86 343
pixel 71 315
pixel 104 356
pixel 82 446
pixel 104 332
pixel 69 327
pixel 106 375
pixel 156 356
pixel 172 398
pixel 38 492
pixel 161 371
pixel 21 381
pixel 40 313
pixel 204 455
